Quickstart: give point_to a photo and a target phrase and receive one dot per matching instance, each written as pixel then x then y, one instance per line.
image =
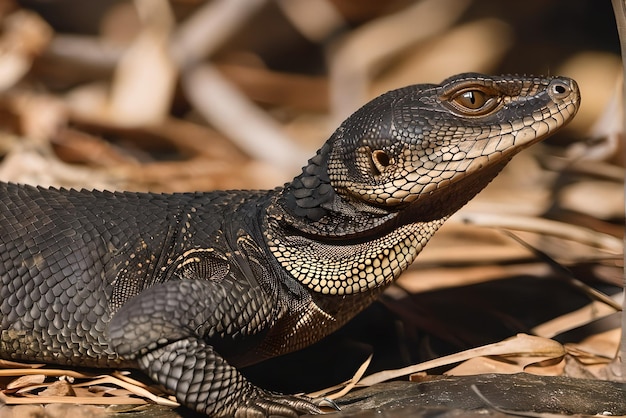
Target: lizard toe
pixel 270 404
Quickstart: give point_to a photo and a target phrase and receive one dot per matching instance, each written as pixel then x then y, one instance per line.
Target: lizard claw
pixel 272 404
pixel 327 402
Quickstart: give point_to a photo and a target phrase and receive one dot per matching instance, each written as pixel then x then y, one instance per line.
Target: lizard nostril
pixel 559 89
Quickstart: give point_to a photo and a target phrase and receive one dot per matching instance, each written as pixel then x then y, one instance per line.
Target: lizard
pixel 190 287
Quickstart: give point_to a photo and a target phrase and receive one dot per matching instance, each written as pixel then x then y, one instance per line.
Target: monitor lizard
pixel 189 287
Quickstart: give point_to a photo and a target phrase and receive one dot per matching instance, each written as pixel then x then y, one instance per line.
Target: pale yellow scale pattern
pixel 343 269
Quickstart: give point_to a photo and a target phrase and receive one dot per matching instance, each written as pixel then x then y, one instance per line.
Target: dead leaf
pixel 600 348
pixel 349 385
pixel 25 34
pixel 26 381
pixel 144 83
pixel 587 314
pixel 520 345
pixel 576 197
pixel 58 388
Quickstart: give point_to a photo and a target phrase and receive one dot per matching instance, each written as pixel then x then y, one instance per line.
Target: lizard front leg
pixel 203 379
pixel 165 330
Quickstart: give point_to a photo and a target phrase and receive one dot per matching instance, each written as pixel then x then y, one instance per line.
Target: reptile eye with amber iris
pixel 472 99
pixel 474 102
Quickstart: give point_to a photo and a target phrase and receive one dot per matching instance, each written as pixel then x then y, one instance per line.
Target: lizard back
pixel 70 259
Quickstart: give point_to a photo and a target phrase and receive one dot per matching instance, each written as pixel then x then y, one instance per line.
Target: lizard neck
pixel 350 267
pixel 336 246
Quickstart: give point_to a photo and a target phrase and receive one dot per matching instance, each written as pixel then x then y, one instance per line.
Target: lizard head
pixel 433 147
pixel 421 152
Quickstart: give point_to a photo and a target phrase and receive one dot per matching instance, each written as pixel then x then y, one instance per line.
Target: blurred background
pixel 186 95
pixel 199 95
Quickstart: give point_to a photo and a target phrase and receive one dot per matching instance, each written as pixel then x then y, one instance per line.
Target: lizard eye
pixel 474 102
pixel 472 99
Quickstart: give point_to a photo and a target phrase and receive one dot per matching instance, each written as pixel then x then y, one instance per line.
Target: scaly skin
pixel 190 287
